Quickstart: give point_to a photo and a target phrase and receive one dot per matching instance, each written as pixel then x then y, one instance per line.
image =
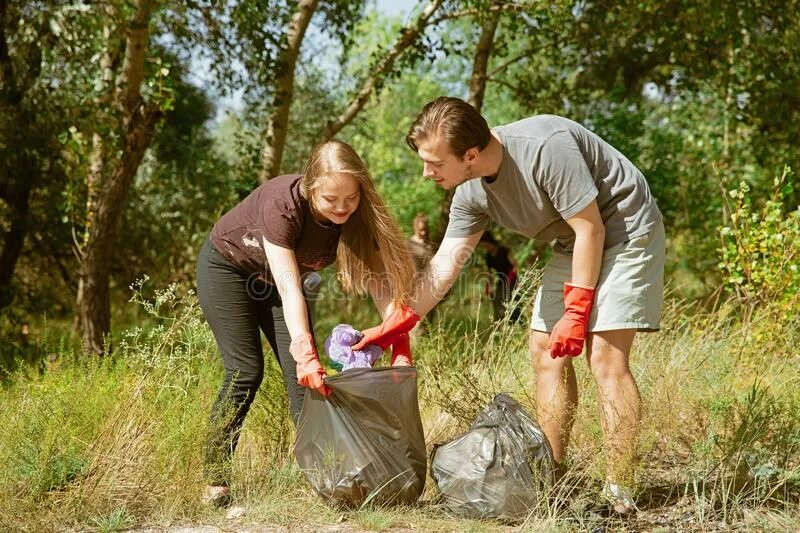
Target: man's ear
pixel 471 155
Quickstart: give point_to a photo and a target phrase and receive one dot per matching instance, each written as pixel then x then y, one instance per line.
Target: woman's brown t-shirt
pixel 277 212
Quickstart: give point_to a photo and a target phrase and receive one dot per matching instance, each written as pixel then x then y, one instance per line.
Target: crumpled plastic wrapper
pixel 342 356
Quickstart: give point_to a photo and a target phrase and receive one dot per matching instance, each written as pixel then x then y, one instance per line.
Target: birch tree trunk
pixel 111 178
pixel 477 89
pixel 272 153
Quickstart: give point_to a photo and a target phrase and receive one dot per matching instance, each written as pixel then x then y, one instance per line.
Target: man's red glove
pixel 309 370
pixel 399 322
pixel 569 333
pixel 401 351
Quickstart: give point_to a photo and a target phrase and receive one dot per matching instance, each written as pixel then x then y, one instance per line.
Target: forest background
pixel 128 127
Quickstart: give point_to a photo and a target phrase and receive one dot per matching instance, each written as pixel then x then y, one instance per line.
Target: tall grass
pixel 109 444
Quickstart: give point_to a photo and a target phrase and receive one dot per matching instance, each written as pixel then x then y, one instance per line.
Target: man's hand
pixel 309 370
pixel 398 323
pixel 569 333
pixel 401 351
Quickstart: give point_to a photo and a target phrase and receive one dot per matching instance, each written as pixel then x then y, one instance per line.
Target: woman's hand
pixel 401 351
pixel 398 323
pixel 309 370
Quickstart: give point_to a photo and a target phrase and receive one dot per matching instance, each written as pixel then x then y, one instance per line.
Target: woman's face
pixel 337 197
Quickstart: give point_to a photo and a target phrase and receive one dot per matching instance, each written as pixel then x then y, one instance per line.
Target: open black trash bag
pixel 365 440
pixel 498 468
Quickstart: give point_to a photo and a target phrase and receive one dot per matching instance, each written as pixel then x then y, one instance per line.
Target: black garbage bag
pixel 365 440
pixel 497 468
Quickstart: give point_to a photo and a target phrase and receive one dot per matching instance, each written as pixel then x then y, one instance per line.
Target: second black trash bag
pixel 498 468
pixel 365 440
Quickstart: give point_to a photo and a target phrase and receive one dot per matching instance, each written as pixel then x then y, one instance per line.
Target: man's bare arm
pixel 588 251
pixel 442 271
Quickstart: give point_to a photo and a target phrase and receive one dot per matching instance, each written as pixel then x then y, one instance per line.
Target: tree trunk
pixel 110 181
pixel 477 89
pixel 480 63
pixel 18 199
pixel 277 123
pixel 408 36
pixel 23 173
pixel 93 288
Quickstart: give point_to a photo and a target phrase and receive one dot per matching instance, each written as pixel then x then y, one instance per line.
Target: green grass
pixel 116 443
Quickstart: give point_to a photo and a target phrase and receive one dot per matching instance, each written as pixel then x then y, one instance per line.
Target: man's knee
pixel 608 355
pixel 609 366
pixel 545 366
pixel 538 342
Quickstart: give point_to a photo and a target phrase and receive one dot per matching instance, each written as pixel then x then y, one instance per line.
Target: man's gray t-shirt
pixel 552 168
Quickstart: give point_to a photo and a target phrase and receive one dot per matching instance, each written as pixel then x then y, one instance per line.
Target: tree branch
pixel 408 35
pixel 500 68
pixel 510 7
pixel 516 90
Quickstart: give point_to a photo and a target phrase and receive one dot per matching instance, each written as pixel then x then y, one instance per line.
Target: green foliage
pixel 761 246
pixel 182 187
pixel 116 520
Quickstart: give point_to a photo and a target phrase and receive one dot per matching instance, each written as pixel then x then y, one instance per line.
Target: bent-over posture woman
pixel 249 277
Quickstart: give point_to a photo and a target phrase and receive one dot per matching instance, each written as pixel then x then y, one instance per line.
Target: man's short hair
pixel 455 121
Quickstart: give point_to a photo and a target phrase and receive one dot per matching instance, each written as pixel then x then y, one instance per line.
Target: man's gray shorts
pixel 630 290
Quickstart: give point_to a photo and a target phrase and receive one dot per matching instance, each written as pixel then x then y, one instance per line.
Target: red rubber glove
pixel 512 278
pixel 569 333
pixel 309 370
pixel 401 351
pixel 399 322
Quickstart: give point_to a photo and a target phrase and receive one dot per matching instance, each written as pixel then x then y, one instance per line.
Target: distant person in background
pixel 500 262
pixel 256 271
pixel 420 248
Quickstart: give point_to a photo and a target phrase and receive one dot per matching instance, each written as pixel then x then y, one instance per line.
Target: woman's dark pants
pixel 236 306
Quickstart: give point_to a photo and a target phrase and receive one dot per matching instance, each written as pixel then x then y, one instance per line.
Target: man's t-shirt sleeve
pixel 465 217
pixel 563 174
pixel 280 223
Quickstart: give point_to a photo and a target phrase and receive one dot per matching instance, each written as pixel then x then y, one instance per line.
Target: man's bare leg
pixel 608 353
pixel 556 393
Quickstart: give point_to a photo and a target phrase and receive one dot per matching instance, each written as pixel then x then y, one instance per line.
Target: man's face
pixel 441 165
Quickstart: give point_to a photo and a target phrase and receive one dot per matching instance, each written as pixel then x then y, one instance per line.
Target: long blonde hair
pixel 369 227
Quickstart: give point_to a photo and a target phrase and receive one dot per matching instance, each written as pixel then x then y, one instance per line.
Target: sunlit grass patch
pixel 109 444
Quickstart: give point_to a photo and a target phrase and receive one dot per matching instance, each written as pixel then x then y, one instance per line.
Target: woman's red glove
pixel 401 351
pixel 309 370
pixel 399 322
pixel 569 333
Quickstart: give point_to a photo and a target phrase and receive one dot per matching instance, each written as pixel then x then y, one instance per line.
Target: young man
pixel 549 178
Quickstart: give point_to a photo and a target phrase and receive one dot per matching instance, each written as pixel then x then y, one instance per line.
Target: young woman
pixel 250 275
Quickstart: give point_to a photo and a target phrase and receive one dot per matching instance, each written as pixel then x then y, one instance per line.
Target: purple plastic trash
pixel 338 343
